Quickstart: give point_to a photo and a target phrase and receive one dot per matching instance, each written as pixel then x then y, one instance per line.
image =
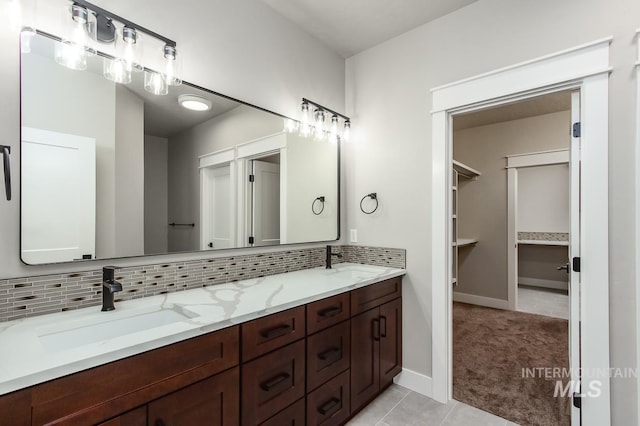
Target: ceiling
pixel 349 27
pixel 540 105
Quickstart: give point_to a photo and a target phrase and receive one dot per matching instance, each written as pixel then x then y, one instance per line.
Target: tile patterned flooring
pixel 543 301
pixel 398 406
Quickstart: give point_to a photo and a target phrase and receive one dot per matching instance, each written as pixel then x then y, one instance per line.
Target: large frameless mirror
pixel 110 170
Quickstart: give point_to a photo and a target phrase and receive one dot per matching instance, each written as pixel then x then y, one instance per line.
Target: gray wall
pixel 156 198
pixel 482 203
pixel 241 124
pixel 129 174
pixel 391 83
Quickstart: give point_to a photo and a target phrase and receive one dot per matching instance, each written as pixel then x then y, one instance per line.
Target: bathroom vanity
pixel 308 347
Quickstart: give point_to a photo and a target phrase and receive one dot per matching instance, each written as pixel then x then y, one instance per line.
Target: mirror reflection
pixel 111 170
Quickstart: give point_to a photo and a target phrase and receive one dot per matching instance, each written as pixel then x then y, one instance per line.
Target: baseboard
pixel 415 381
pixel 480 300
pixel 536 282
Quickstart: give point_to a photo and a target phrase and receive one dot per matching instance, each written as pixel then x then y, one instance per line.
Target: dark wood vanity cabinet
pixel 316 364
pixel 376 340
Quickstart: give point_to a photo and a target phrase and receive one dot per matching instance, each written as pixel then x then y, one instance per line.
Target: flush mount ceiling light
pixel 317 125
pixel 194 102
pixel 84 24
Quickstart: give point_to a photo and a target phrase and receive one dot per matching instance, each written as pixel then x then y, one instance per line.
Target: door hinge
pixel 252 178
pixel 577 129
pixel 575 264
pixel 577 400
pixel 251 240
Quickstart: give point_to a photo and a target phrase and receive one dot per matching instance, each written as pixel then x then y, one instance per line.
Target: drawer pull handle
pixel 384 326
pixel 330 312
pixel 375 329
pixel 332 355
pixel 275 381
pixel 276 331
pixel 328 406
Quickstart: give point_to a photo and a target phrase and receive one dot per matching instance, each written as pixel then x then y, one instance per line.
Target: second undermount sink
pixel 108 329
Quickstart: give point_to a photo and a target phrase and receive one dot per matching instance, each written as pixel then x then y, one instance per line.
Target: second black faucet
pixel 109 287
pixel 329 255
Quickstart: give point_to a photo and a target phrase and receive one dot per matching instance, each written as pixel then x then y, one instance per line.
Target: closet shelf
pixel 464 170
pixel 463 242
pixel 544 243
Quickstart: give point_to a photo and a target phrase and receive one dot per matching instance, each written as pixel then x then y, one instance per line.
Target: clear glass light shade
pixel 154 83
pixel 290 126
pixel 172 66
pixel 333 129
pixel 319 125
pixel 346 132
pixel 305 120
pixel 116 70
pixel 78 41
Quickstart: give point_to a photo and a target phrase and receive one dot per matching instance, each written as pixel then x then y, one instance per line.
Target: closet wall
pixel 482 203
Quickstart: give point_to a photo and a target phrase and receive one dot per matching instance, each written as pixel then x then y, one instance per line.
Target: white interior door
pixel 218 203
pixel 574 252
pixel 58 196
pixel 266 203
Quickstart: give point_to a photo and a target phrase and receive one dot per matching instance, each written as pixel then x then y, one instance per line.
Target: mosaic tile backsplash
pixel 31 296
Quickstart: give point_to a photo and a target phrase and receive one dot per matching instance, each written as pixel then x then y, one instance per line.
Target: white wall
pixel 156 189
pixel 388 97
pixel 129 174
pixel 240 48
pixel 543 198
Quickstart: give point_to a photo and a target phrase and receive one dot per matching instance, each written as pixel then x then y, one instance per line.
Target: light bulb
pixel 290 126
pixel 346 132
pixel 116 70
pixel 131 49
pixel 154 83
pixel 305 121
pixel 319 125
pixel 73 49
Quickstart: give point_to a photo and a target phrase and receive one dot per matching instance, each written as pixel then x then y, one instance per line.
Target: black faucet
pixel 109 287
pixel 329 254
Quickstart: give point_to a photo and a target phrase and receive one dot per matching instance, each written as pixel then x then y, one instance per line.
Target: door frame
pixel 585 68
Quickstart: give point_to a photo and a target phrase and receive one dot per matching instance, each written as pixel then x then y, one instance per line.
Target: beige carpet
pixel 490 349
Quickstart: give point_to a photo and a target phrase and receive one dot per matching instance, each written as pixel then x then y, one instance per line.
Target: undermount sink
pixel 356 271
pixel 108 329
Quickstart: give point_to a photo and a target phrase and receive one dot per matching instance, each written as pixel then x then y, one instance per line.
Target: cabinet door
pixel 365 360
pixel 390 341
pixel 213 401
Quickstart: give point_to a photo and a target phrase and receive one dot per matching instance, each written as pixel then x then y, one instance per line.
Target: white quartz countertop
pixel 34 350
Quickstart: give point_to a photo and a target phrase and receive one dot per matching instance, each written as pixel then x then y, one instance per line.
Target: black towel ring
pixel 313 205
pixel 373 196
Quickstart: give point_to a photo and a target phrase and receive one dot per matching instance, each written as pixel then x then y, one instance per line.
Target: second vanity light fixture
pixel 314 122
pixel 84 24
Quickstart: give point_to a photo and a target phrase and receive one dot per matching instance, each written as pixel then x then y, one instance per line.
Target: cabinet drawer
pixel 266 334
pixel 137 417
pixel 374 295
pixel 329 404
pixel 327 312
pixel 328 354
pixel 291 416
pixel 95 395
pixel 212 402
pixel 272 382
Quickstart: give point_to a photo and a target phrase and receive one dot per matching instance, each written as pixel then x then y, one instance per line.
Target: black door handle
pixel 328 406
pixel 6 150
pixel 330 311
pixel 276 331
pixel 331 355
pixel 274 381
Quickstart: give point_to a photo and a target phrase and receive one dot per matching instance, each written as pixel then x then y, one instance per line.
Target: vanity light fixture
pixel 194 102
pixel 317 128
pixel 86 23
